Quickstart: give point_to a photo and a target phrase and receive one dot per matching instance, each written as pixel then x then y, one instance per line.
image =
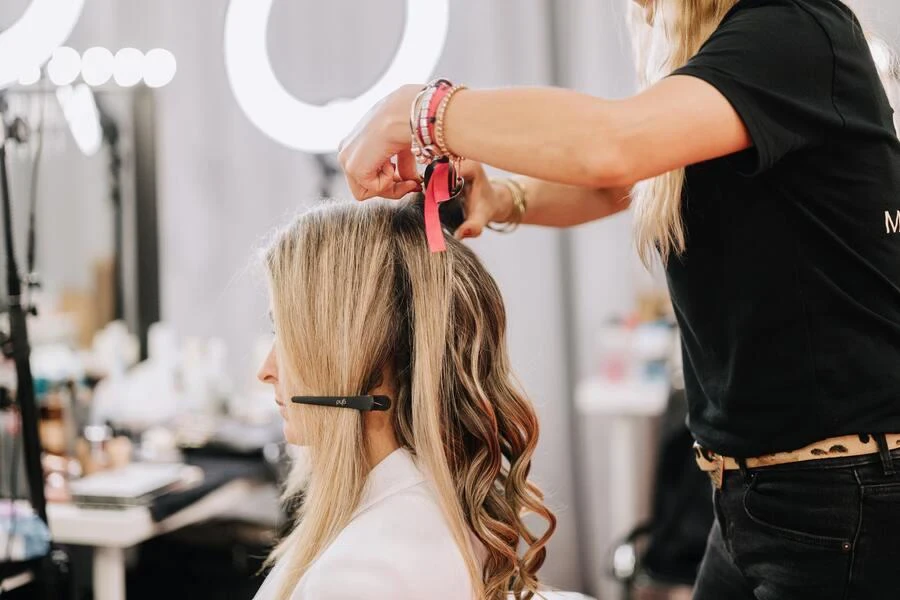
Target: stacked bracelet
pixel 439 120
pixel 520 205
pixel 426 121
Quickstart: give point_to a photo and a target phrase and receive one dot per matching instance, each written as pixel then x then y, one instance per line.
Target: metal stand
pixel 16 346
pixel 111 138
pixel 328 172
pixel 144 223
pixel 48 579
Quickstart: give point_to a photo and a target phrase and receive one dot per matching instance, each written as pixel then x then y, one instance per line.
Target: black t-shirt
pixel 788 294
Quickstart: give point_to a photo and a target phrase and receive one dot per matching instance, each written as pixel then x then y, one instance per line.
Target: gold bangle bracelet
pixel 523 195
pixel 520 204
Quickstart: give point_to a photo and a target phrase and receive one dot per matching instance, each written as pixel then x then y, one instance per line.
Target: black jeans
pixel 823 530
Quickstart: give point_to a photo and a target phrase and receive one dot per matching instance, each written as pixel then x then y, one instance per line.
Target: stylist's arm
pixel 581 154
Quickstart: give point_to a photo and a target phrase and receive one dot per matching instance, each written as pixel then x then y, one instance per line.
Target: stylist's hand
pixel 485 203
pixel 381 137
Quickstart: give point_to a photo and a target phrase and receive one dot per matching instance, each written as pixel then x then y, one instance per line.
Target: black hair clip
pixel 361 403
pixel 451 211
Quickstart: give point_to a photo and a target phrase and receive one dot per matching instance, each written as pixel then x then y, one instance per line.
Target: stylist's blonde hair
pixel 888 64
pixel 356 293
pixel 665 35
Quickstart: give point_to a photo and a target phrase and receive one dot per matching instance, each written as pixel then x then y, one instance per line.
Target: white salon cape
pixel 398 546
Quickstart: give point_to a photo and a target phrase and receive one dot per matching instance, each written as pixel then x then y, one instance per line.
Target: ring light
pixel 308 127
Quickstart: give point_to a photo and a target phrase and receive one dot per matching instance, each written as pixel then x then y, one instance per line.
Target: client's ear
pixel 382 383
pixel 379 424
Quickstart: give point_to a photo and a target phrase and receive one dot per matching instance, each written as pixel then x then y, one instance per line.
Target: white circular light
pixel 128 67
pixel 30 41
pixel 304 126
pixel 96 65
pixel 80 110
pixel 64 66
pixel 159 67
pixel 30 76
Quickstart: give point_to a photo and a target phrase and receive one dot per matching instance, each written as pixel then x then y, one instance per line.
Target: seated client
pixel 390 366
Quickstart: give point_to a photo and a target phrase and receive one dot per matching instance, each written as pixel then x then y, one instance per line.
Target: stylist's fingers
pixel 472 171
pixel 359 191
pixel 391 186
pixel 479 207
pixel 474 224
pixel 380 183
pixel 371 186
pixel 401 189
pixel 406 166
pixel 477 212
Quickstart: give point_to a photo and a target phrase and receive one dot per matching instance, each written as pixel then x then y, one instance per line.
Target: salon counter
pixel 111 532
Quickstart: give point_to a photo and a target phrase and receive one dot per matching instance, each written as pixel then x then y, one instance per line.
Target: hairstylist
pixel 771 189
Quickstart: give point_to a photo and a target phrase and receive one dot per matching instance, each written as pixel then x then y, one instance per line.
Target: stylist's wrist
pixel 397 128
pixel 504 207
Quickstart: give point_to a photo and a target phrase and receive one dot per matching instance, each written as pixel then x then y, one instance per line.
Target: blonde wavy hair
pixel 666 34
pixel 355 293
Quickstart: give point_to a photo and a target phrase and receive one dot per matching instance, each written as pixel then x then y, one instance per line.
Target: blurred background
pixel 161 150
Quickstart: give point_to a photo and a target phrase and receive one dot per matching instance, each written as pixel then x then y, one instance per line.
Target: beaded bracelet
pixel 439 119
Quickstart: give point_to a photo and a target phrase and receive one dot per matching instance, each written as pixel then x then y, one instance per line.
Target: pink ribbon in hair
pixel 436 191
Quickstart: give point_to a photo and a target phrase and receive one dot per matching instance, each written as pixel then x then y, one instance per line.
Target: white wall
pixel 881 17
pixel 596 58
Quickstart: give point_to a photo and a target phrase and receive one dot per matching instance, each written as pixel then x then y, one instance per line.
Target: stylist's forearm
pixel 547 133
pixel 560 205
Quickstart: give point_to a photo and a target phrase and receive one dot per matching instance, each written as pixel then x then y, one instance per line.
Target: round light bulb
pixel 159 67
pixel 30 40
pixel 64 66
pixel 30 76
pixel 96 66
pixel 128 67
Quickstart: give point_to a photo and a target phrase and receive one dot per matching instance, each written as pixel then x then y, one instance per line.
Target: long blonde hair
pixel 888 65
pixel 355 291
pixel 666 34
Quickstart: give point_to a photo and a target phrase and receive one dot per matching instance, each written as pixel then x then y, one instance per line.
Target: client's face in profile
pixel 268 373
